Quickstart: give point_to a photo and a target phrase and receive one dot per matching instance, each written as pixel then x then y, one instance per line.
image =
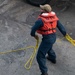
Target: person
pixel 46 25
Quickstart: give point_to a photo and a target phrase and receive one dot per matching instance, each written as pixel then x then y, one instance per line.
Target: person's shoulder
pixel 39 20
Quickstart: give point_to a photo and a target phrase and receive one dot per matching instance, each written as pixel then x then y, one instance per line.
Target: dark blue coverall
pixel 46 44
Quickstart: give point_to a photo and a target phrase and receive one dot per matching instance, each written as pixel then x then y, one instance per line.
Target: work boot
pixel 53 61
pixel 44 74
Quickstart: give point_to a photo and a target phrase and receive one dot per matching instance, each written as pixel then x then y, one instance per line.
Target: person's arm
pixel 37 25
pixel 61 28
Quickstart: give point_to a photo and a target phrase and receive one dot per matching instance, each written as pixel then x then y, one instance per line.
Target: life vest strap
pixel 48 29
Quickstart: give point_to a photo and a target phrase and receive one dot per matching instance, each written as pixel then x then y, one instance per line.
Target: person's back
pixel 50 23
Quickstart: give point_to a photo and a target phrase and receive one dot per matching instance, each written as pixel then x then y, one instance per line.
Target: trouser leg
pixel 41 59
pixel 51 53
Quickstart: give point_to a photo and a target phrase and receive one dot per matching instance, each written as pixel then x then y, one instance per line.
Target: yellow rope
pixel 29 62
pixel 70 39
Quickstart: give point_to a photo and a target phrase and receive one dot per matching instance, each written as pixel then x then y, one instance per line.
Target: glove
pixel 36 37
pixel 64 34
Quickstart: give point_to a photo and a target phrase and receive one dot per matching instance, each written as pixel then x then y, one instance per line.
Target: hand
pixel 36 37
pixel 64 34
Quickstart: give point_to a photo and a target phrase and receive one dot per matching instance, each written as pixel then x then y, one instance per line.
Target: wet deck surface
pixel 16 20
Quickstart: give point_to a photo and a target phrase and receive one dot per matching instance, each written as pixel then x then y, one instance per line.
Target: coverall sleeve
pixel 61 28
pixel 36 26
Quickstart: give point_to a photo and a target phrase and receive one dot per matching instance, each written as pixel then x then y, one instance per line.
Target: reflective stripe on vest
pixel 50 23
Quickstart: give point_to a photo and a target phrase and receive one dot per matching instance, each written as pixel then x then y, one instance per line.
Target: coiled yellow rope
pixel 29 62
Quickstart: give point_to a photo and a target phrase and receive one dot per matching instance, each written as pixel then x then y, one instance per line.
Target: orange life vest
pixel 50 23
